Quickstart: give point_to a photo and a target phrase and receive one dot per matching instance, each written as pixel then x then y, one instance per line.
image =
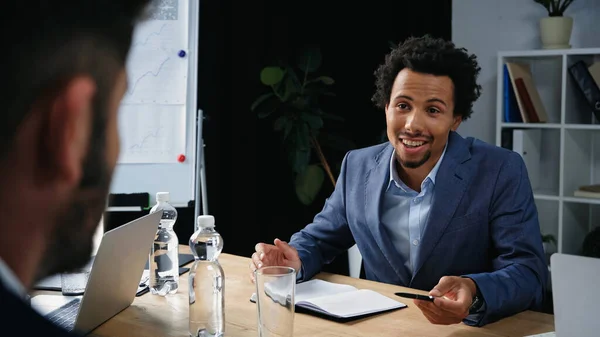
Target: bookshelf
pixel 569 150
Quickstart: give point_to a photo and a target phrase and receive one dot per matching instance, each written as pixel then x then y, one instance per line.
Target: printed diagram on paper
pixel 151 134
pixel 152 115
pixel 156 72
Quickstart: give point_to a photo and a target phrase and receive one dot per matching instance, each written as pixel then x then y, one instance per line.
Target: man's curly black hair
pixel 433 56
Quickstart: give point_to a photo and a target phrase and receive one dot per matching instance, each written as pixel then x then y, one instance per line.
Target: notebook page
pixel 355 303
pixel 317 288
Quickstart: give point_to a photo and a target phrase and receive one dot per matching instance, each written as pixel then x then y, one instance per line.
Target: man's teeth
pixel 412 142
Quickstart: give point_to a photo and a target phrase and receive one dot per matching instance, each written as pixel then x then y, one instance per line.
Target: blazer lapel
pixel 375 184
pixel 451 183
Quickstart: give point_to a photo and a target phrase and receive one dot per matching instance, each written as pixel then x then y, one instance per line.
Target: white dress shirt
pixel 11 282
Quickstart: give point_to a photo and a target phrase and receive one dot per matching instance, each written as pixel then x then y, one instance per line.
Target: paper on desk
pixel 152 133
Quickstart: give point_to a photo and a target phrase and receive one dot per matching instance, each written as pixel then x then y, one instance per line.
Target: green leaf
pixel 300 103
pixel 287 130
pixel 299 159
pixel 291 87
pixel 271 75
pixel 308 183
pixel 280 123
pixel 310 60
pixel 266 104
pixel 315 122
pixel 261 99
pixel 302 137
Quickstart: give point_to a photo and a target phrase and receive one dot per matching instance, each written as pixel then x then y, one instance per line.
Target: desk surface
pixel 152 315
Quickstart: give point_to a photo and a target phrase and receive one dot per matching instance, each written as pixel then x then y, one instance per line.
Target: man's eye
pixel 403 106
pixel 433 110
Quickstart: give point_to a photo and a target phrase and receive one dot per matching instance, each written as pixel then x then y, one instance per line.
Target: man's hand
pixel 453 297
pixel 280 254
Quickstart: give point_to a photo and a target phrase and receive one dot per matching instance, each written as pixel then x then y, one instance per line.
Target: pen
pixel 416 296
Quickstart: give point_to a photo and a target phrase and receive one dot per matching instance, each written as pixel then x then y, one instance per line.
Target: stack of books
pixel 588 191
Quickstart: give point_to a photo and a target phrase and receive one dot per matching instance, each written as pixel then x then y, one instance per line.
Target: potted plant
pixel 555 29
pixel 293 102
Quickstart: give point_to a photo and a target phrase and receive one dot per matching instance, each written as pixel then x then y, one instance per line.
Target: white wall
pixel 485 27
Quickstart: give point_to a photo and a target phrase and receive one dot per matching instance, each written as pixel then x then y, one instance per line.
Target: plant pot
pixel 555 32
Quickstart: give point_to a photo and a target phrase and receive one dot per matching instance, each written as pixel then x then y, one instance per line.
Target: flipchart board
pixel 158 113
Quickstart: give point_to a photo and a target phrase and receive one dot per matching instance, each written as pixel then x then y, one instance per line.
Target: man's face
pixel 419 117
pixel 76 224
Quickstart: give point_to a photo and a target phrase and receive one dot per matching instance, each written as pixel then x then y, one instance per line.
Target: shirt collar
pixel 10 281
pixel 395 178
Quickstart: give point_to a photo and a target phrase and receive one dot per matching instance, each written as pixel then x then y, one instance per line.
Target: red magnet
pixel 181 158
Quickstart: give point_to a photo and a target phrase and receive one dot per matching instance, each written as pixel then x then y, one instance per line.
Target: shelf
pixel 560 154
pixel 546 197
pixel 549 52
pixel 550 126
pixel 531 125
pixel 582 126
pixel 581 165
pixel 578 220
pixel 580 200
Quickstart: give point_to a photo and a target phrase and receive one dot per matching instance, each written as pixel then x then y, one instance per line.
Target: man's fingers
pixel 436 315
pixel 252 269
pixel 446 284
pixel 256 260
pixel 261 247
pixel 288 251
pixel 458 308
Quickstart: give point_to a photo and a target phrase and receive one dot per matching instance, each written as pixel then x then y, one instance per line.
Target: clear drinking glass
pixel 74 283
pixel 275 289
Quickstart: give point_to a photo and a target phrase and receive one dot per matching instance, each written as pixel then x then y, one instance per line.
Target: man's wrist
pixel 471 285
pixel 477 302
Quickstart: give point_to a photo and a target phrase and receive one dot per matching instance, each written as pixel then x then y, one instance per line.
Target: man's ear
pixel 457 121
pixel 68 129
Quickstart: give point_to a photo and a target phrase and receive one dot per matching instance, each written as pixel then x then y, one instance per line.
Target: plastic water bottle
pixel 164 255
pixel 206 281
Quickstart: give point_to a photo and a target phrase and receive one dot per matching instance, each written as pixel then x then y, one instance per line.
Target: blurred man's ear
pixel 68 131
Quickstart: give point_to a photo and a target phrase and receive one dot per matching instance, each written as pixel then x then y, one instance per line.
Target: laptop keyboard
pixel 65 316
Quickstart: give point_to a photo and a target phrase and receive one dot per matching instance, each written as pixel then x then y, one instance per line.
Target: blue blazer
pixel 483 224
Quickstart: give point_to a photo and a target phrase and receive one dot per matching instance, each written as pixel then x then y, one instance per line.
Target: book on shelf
pixel 528 144
pixel 337 302
pixel 512 114
pixel 588 191
pixel 527 96
pixel 587 86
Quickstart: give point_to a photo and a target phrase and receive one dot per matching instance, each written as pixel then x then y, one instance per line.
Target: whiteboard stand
pixel 200 169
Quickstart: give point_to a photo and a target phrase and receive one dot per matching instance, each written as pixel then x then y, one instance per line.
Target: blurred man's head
pixel 64 77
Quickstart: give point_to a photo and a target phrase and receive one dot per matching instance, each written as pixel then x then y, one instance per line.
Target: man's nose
pixel 414 122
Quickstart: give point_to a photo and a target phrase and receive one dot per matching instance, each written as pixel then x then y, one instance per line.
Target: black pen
pixel 416 296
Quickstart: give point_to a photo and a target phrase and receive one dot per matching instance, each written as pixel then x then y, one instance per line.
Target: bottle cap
pixel 162 196
pixel 205 221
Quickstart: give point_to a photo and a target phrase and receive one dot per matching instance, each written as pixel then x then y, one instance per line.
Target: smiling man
pixel 430 209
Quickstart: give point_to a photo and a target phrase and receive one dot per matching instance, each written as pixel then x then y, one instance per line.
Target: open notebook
pixel 335 301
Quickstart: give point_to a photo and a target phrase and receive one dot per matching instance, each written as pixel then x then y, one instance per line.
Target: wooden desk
pixel 151 315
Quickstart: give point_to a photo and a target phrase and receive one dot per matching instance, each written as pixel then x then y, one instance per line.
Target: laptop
pixel 113 281
pixel 575 293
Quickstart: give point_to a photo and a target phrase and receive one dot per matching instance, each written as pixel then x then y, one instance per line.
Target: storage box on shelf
pixel 562 152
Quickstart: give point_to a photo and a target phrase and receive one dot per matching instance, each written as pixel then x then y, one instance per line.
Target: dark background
pixel 250 184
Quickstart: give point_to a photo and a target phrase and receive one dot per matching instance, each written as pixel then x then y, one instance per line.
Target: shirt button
pixel 415 242
pixel 417 200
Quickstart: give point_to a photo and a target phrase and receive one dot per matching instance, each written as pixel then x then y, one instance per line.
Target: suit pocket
pixel 465 221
